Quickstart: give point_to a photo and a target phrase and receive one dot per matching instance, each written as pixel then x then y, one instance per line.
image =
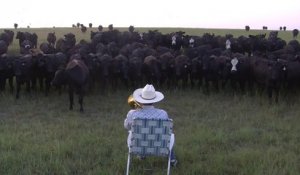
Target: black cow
pixel 240 72
pixel 198 51
pixel 26 46
pixel 181 70
pixel 5 37
pixel 295 33
pixel 76 75
pixel 177 40
pixel 47 48
pixel 47 65
pixel 22 36
pixel 83 28
pixel 66 44
pixel 6 71
pixel 153 38
pixel 23 72
pixel 11 35
pixel 51 38
pixel 213 69
pixel 104 73
pixel 119 71
pixel 113 49
pixel 92 63
pixel 34 39
pixel 135 71
pixel 151 70
pixel 291 78
pixel 166 67
pixel 3 47
pixel 268 74
pixel 196 73
pixel 100 28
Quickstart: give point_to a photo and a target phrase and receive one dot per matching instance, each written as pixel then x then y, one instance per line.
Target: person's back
pixel 147 111
pixel 146 97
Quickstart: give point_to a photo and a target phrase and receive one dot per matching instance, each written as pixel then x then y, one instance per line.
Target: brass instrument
pixel 132 103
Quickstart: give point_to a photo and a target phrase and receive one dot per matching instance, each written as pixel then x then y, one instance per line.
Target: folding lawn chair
pixel 150 137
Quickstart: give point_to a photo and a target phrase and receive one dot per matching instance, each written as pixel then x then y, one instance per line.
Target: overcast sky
pixel 152 13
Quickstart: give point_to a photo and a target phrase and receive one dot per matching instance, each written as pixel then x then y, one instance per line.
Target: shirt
pixel 147 111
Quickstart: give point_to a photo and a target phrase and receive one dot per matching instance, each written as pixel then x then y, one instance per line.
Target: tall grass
pixel 216 134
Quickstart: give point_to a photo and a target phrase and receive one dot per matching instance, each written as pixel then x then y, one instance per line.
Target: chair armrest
pixel 172 141
pixel 129 139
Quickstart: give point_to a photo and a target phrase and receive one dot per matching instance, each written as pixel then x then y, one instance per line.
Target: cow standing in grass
pixel 6 71
pixel 51 38
pixel 76 75
pixel 23 72
pixel 295 33
pixel 268 74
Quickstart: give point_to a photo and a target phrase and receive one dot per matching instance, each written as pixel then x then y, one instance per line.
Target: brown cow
pixel 75 75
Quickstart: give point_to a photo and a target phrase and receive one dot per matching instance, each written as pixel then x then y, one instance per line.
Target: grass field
pixel 217 134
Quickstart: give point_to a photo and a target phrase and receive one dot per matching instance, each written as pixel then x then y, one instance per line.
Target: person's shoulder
pixel 131 111
pixel 162 111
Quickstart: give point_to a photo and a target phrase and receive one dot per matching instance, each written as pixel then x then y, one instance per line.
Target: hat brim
pixel 137 96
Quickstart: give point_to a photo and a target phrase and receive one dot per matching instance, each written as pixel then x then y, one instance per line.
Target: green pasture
pixel 222 133
pixel 217 134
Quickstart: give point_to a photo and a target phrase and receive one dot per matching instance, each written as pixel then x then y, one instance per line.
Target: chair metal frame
pixel 150 137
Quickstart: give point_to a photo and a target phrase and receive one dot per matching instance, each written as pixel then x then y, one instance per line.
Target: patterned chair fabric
pixel 151 137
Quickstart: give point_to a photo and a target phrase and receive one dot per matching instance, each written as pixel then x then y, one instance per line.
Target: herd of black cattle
pixel 129 59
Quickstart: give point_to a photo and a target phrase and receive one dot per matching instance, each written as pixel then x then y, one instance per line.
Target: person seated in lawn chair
pixel 143 99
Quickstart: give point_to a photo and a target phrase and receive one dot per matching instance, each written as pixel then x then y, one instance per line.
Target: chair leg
pixel 128 162
pixel 169 163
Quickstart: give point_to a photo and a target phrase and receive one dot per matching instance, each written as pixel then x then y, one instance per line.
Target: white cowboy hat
pixel 147 95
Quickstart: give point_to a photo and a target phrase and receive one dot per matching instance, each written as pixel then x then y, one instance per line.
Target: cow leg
pixel 269 89
pixel 206 86
pixel 80 100
pixel 199 82
pixel 192 80
pixel 47 84
pixel 276 94
pixel 18 90
pixel 71 97
pixel 125 82
pixel 184 82
pixel 11 85
pixel 216 85
pixel 41 83
pixel 242 86
pixel 2 83
pixel 28 86
pixel 33 84
pixel 224 83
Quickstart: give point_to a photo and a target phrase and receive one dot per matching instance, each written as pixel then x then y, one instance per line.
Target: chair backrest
pixel 151 137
